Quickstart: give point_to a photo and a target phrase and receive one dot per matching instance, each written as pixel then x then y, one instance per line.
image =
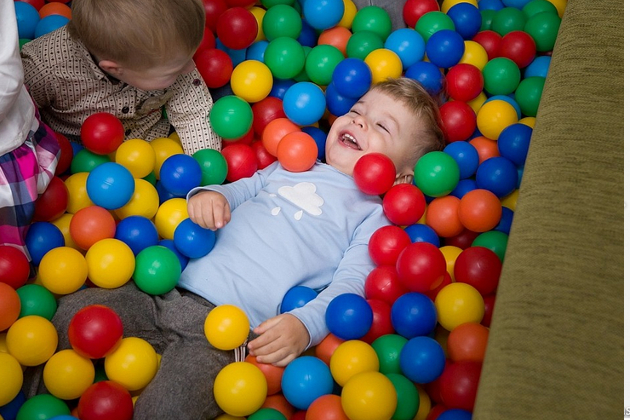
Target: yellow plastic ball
pixel 229 417
pixel 3 343
pixel 510 200
pixel 63 270
pixel 63 223
pixel 458 303
pixel 528 121
pixel 110 263
pixel 450 253
pixel 474 54
pixel 240 389
pixel 144 201
pixel 77 192
pixel 351 358
pixel 349 12
pixel 494 116
pixel 369 396
pixel 447 4
pixel 169 215
pixel 425 404
pixel 251 80
pixel 11 378
pixel 560 5
pixel 133 364
pixel 226 327
pixel 137 155
pixel 164 148
pixel 32 340
pixel 384 64
pixel 478 102
pixel 67 374
pixel 259 14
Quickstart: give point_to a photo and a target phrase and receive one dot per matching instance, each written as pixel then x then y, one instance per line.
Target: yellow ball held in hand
pixel 240 389
pixel 226 327
pixel 133 364
pixel 67 374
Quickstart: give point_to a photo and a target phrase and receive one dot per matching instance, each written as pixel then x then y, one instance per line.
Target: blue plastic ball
pixel 498 175
pixel 445 48
pixel 422 360
pixel 323 14
pixel 40 238
pixel 455 414
pixel 164 194
pixel 336 103
pixel 408 45
pixel 304 103
pixel 192 240
pixel 296 297
pixel 495 5
pixel 352 77
pixel 64 417
pixel 308 35
pixel 539 67
pixel 513 143
pixel 170 244
pixel 237 56
pixel 519 4
pixel 280 87
pixel 349 316
pixel 413 314
pixel 256 51
pixel 137 232
pixel 465 155
pixel 505 223
pixel 110 185
pixel 304 380
pixel 463 186
pixel 50 23
pixel 27 18
pixel 419 232
pixel 467 19
pixel 320 139
pixel 180 173
pixel 428 74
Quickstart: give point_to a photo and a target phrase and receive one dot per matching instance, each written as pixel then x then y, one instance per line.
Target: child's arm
pixel 209 209
pixel 11 73
pixel 281 339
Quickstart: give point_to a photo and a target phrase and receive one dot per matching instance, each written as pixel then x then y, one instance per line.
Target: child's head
pixel 396 117
pixel 145 43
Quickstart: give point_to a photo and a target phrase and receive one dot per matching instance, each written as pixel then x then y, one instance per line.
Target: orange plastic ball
pixel 337 36
pixel 272 373
pixel 274 131
pixel 480 210
pixel 280 403
pixel 326 407
pixel 327 347
pixel 55 8
pixel 297 152
pixel 468 341
pixel 485 147
pixel 91 224
pixel 443 216
pixel 10 306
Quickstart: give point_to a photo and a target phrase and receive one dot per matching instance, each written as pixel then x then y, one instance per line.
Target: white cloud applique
pixel 302 195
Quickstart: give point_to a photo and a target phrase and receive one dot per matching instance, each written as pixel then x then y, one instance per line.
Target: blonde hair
pixel 428 130
pixel 137 33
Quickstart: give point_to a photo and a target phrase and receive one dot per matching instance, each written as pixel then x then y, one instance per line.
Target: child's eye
pixel 383 127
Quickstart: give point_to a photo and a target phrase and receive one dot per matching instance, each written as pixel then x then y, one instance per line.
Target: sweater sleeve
pixel 11 74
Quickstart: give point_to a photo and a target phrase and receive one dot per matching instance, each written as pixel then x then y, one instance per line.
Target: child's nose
pixel 358 120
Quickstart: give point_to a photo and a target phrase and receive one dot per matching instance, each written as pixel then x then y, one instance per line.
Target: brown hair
pixel 138 33
pixel 428 130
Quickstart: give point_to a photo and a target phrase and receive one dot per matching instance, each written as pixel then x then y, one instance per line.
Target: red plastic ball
pixel 459 121
pixel 404 204
pixel 435 411
pixel 297 152
pixel 105 400
pixel 381 320
pixel 207 42
pixel 480 210
pixel 520 47
pixel 299 415
pixel 382 283
pixel 273 374
pixel 246 139
pixel 374 173
pixel 462 240
pixel 213 9
pixel 480 267
pixel 53 202
pixel 414 9
pixel 14 266
pixel 266 111
pixel 326 407
pixel 421 267
pixel 488 305
pixel 241 161
pixel 464 82
pixel 386 244
pixel 95 331
pixel 240 3
pixel 459 383
pixel 215 67
pixel 102 133
pixel 263 157
pixel 433 293
pixel 66 154
pixel 237 28
pixel 490 41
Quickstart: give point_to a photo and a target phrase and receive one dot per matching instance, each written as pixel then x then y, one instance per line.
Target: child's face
pixel 156 77
pixel 377 123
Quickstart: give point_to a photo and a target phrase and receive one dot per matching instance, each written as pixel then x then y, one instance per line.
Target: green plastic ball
pixel 538 6
pixel 321 62
pixel 543 27
pixel 42 406
pixel 528 95
pixel 388 348
pixel 362 43
pixel 303 76
pixel 151 178
pixel 231 117
pixel 507 20
pixel 486 19
pixel 281 20
pixel 434 21
pixel 285 58
pixel 157 270
pixel 501 76
pixel 85 161
pixel 407 396
pixel 267 414
pixel 436 174
pixel 270 3
pixel 37 300
pixel 213 166
pixel 494 240
pixel 373 18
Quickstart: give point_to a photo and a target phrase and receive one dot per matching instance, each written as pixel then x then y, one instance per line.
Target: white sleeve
pixel 11 71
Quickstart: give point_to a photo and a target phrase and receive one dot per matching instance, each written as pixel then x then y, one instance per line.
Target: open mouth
pixel 349 141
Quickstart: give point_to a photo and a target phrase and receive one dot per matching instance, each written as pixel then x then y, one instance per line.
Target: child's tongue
pixel 349 141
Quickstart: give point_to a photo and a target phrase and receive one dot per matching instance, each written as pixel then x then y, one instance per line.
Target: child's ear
pixel 110 67
pixel 404 177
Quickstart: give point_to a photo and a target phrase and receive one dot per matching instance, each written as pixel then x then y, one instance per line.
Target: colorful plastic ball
pixel 320 139
pixel 413 314
pixel 36 300
pixel 27 18
pixel 374 19
pixel 10 410
pixel 10 306
pixel 256 51
pixel 14 266
pixel 240 389
pixel 337 37
pixel 494 240
pixel 466 18
pixel 474 54
pixel 296 297
pixel 507 20
pixel 404 204
pixel 369 396
pixel 528 94
pixel 381 320
pixel 432 22
pixel 382 283
pixel 464 82
pixel 110 263
pixel 465 156
pixel 408 44
pixel 488 302
pixel 436 174
pixel 362 43
pixel 273 374
pixel 213 166
pixel 231 117
pixel 32 340
pixel 463 187
pixel 102 133
pixel 336 103
pixel 110 185
pixel 237 28
pixel 263 157
pixel 105 400
pixel 349 316
pixel 281 20
pixel 442 216
pixel 501 76
pixel 491 43
pixel 304 103
pixel 480 210
pixel 85 161
pixel 265 111
pixel 42 406
pixel 519 47
pixel 267 413
pixel 421 267
pixel 498 175
pixel 480 267
pixel 169 215
pixel 63 270
pixel 458 303
pixel 180 173
pixel 226 327
pixel 95 331
pixel 40 238
pixel 137 232
pixel 143 203
pixel 326 407
pixel 157 270
pixel 352 77
pixel 445 48
pixel 414 9
pixel 351 358
pixel 321 62
pixel 251 80
pixel 386 244
pixel 419 232
pixel 50 23
pixel 241 161
pixel 459 121
pixel 468 342
pixel 132 364
pixel 323 14
pixel 285 57
pixel 304 380
pixel 428 74
pixel 384 64
pixel 485 147
pixel 192 240
pixel 170 244
pixel 297 152
pixel 494 117
pixel 539 66
pixel 543 27
pixel 215 67
pixel 90 225
pixel 388 348
pixel 408 398
pixel 458 384
pixel 67 374
pixel 422 360
pixel 53 202
pixel 507 98
pixel 374 173
pixel 11 376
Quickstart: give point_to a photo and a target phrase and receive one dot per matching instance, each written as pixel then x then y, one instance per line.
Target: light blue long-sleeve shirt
pixel 287 229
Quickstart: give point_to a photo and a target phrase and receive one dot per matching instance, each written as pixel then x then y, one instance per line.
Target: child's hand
pixel 209 209
pixel 282 339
